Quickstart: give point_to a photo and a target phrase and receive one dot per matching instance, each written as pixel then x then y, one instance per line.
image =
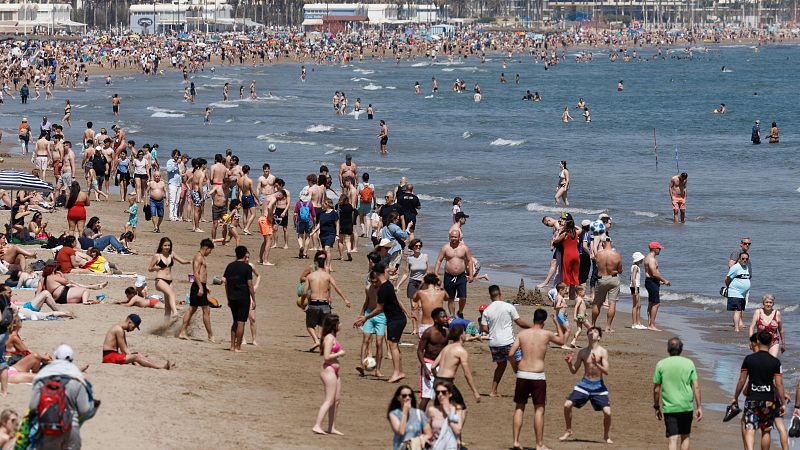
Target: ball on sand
pixel 370 363
pixel 272 147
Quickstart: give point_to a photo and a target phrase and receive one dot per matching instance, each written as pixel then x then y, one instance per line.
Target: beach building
pixel 27 17
pixel 187 15
pixel 339 16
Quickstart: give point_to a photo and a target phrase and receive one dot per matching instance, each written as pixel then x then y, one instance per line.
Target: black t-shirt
pixel 346 214
pixel 386 210
pixel 99 165
pixel 761 370
pixel 388 298
pixel 4 303
pixel 237 274
pixel 327 222
pixel 410 205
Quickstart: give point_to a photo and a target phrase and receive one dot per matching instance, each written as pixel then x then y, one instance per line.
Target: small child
pixel 125 239
pixel 134 299
pixel 133 215
pixel 456 208
pixel 476 268
pixel 579 313
pixel 560 307
pixel 231 221
pixel 636 279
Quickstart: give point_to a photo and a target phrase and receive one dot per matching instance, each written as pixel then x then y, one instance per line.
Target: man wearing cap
pixel 458 271
pixel 498 321
pixel 115 345
pixel 609 266
pixel 677 192
pixel 458 225
pixel 737 288
pixel 80 402
pixel 755 135
pixel 348 169
pixel 652 282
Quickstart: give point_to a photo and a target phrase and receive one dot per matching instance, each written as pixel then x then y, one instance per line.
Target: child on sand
pixel 636 279
pixel 134 299
pixel 133 215
pixel 560 307
pixel 579 313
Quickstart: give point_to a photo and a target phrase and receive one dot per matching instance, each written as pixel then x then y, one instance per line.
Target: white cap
pixel 64 352
pixel 586 222
pixel 385 243
pixel 604 216
pixel 638 256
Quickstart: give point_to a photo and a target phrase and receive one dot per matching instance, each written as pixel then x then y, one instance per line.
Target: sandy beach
pixel 267 397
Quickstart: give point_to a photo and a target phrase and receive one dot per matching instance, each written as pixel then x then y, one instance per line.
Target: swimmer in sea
pixel 417 88
pixel 565 117
pixel 620 86
pixel 502 78
pixel 586 116
pixel 721 109
pixel 581 104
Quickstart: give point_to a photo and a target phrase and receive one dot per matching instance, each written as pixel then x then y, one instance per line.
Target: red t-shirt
pixel 64 259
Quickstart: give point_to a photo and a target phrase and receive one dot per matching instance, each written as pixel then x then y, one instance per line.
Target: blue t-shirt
pixel 416 422
pixel 740 281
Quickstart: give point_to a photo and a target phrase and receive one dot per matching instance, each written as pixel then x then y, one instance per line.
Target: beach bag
pixel 414 443
pixel 305 212
pixel 366 194
pixel 55 416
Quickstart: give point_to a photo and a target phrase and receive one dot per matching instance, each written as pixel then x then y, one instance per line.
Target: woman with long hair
pixel 328 228
pixel 446 418
pixel 768 319
pixel 9 424
pixel 407 422
pixel 331 350
pixel 161 263
pixel 76 211
pixel 570 258
pixel 64 290
pixel 563 184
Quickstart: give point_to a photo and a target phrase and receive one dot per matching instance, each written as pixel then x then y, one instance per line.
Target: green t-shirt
pixel 675 375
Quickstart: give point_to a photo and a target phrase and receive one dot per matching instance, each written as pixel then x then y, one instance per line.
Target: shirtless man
pixel 458 270
pixel 115 346
pixel 652 282
pixel 42 154
pixel 115 102
pixel 198 180
pixel 157 190
pixel 609 266
pixel 427 298
pixel 198 293
pixel 591 387
pixel 57 156
pixel 266 225
pixel 234 174
pixel 318 196
pixel 318 289
pixel 677 192
pixel 282 212
pixel 531 380
pixel 68 170
pixel 376 325
pixel 219 201
pixel 266 183
pixel 450 358
pixel 249 200
pixel 348 169
pixel 88 135
pixel 458 225
pixel 383 137
pixel 431 343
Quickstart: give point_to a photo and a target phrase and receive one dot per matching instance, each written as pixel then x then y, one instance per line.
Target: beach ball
pixel 272 147
pixel 597 227
pixel 370 363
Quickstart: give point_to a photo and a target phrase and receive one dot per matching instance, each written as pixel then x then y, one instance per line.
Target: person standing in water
pixel 773 133
pixel 383 136
pixel 563 184
pixel 677 191
pixel 755 135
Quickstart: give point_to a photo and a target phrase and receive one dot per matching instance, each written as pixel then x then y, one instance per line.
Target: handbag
pixel 414 443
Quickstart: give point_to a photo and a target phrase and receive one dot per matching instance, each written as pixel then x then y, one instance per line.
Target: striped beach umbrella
pixel 16 180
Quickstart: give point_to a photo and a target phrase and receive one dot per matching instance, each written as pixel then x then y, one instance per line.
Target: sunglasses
pixel 745 243
pixel 745 259
pixel 443 392
pixel 405 395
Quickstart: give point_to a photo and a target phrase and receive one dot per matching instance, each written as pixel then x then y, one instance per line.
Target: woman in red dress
pixel 570 259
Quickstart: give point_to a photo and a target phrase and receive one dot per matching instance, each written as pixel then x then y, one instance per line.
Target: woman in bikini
pixel 76 211
pixel 64 290
pixel 768 319
pixel 563 185
pixel 161 263
pixel 330 350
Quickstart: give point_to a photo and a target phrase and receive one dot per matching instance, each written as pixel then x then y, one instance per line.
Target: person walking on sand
pixel 609 266
pixel 161 263
pixel 374 326
pixel 498 322
pixel 331 351
pixel 198 293
pixel 396 318
pixel 238 281
pixel 431 343
pixel 458 271
pixel 444 368
pixel 531 380
pixel 652 283
pixel 768 319
pixel 115 346
pixel 591 387
pixel 677 192
pixel 318 287
pixel 635 284
pixel 676 391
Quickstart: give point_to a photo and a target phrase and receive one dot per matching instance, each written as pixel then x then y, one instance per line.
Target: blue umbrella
pixel 14 179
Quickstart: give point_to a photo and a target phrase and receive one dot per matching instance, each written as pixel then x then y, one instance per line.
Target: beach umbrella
pixel 16 180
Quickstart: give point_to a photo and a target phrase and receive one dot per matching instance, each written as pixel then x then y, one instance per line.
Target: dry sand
pixel 268 397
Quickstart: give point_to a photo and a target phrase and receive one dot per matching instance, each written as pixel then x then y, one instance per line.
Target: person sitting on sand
pixel 63 290
pixel 115 346
pixel 70 260
pixel 9 424
pixel 27 368
pixel 13 256
pixel 134 299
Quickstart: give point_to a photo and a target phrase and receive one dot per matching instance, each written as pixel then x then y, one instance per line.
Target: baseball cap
pixel 604 216
pixel 586 222
pixel 483 307
pixel 460 215
pixel 64 352
pixel 385 243
pixel 135 319
pixel 638 256
pixel 654 244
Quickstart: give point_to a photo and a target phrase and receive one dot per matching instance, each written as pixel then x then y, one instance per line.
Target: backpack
pixel 366 194
pixel 305 212
pixel 55 415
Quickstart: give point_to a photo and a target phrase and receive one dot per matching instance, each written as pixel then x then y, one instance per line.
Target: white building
pixel 377 13
pixel 186 15
pixel 37 17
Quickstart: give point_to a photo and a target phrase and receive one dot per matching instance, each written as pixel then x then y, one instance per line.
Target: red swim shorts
pixel 114 357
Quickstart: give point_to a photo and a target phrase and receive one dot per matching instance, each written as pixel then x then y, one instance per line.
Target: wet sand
pixel 268 397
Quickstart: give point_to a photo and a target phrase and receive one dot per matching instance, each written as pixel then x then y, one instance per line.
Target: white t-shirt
pixel 499 317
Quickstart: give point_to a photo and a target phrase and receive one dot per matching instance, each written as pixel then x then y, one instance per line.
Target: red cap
pixel 483 307
pixel 654 245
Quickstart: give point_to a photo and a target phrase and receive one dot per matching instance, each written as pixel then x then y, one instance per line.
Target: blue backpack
pixel 305 212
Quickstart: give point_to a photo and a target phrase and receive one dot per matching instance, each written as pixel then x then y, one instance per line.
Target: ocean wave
pixel 282 140
pixel 391 87
pixel 421 64
pixel 448 69
pixel 224 105
pixel 79 106
pixel 166 115
pixel 319 128
pixel 507 142
pixel 380 169
pixel 798 189
pixel 434 198
pixel 429 96
pixel 441 181
pixel 645 214
pixel 537 207
pixel 364 71
pixel 357 79
pixel 372 87
pixel 448 63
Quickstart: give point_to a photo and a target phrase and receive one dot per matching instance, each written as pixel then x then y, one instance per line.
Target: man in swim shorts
pixel 531 380
pixel 431 343
pixel 652 282
pixel 458 271
pixel 318 288
pixel 609 266
pixel 591 388
pixel 677 191
pixel 266 225
pixel 198 292
pixel 498 321
pixel 245 184
pixel 375 325
pixel 115 345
